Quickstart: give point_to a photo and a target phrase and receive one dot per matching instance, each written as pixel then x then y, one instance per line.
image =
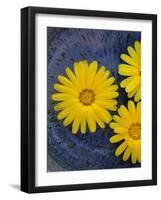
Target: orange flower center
pixel 135 131
pixel 86 97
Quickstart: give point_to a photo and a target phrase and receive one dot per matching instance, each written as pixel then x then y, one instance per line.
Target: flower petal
pixel 121 148
pixel 133 157
pixel 138 95
pixel 103 114
pixel 106 95
pixel 133 84
pixel 65 104
pixel 76 121
pixel 121 130
pixel 134 55
pixel 127 70
pixel 66 90
pixel 73 78
pixel 129 60
pixel 116 138
pixel 98 120
pixel 92 69
pixel 65 81
pixel 126 81
pixel 138 112
pixel 90 119
pixel 127 153
pixel 61 97
pixel 138 48
pixel 132 92
pixel 107 104
pixel 84 118
pixel 81 73
pixel 123 112
pixel 131 108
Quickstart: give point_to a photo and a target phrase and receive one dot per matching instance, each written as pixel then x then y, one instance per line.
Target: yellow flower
pixel 132 69
pixel 127 127
pixel 86 96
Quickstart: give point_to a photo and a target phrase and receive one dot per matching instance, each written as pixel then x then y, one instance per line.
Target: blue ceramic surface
pixel 65 46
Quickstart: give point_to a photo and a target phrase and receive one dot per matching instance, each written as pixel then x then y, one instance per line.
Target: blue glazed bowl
pixel 65 46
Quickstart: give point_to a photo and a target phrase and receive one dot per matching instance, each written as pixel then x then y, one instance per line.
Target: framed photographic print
pixel 88 99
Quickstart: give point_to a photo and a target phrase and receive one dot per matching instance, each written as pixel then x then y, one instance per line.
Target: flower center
pixel 135 131
pixel 86 97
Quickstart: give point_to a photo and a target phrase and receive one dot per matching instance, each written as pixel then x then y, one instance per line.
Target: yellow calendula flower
pixel 86 96
pixel 127 127
pixel 132 69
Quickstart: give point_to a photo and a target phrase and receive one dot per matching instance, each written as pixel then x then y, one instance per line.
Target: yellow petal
pixel 127 70
pixel 121 148
pixel 127 153
pixel 131 108
pixel 105 85
pixel 92 69
pixel 138 112
pixel 109 81
pixel 108 104
pixel 84 69
pixel 103 103
pixel 139 153
pixel 90 120
pixel 103 114
pixel 102 88
pixel 76 121
pixel 80 71
pixel 129 60
pixel 98 120
pixel 116 118
pixel 75 125
pixel 66 90
pixel 98 77
pixel 123 112
pixel 113 125
pixel 68 120
pixel 65 104
pixel 106 75
pixel 138 95
pixel 133 84
pixel 112 88
pixel 61 97
pixel 126 81
pixel 101 71
pixel 65 81
pixel 93 66
pixel 137 150
pixel 112 108
pixel 132 92
pixel 121 130
pixel 139 158
pixel 61 115
pixel 106 95
pixel 76 68
pixel 138 48
pixel 120 122
pixel 133 157
pixel 71 75
pixel 83 119
pixel 116 138
pixel 73 78
pixel 134 55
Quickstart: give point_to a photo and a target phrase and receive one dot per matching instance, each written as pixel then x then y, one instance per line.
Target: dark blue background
pixel 65 46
